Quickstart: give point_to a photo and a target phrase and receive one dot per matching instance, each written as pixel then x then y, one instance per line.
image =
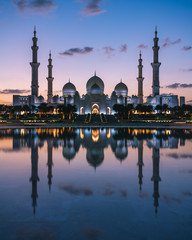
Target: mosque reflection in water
pixel 95 141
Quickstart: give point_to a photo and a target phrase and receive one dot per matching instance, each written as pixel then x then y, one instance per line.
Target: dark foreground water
pixel 95 184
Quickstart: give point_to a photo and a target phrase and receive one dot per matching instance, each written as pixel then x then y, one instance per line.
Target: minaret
pixel 50 79
pixel 34 172
pixel 34 65
pixel 49 162
pixel 155 65
pixel 140 80
pixel 140 163
pixel 156 178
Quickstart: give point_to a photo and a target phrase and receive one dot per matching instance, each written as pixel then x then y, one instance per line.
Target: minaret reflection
pixel 156 178
pixel 140 163
pixel 49 161
pixel 34 172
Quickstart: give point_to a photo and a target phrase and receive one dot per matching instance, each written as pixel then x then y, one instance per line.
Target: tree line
pixel 43 110
pixel 147 111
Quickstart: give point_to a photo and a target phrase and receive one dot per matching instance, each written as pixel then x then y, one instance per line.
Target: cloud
pixel 76 191
pixel 179 85
pixel 187 194
pixel 168 199
pixel 142 46
pixel 73 51
pixel 123 193
pixel 109 51
pixel 92 7
pixel 38 6
pixel 187 48
pixel 167 94
pixel 123 48
pixel 8 150
pixel 174 85
pixel 185 85
pixel 190 101
pixel 186 70
pixel 188 171
pixel 14 91
pixel 168 42
pixel 179 156
pixel 143 195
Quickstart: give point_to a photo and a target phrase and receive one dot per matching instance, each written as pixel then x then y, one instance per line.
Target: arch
pixel 95 109
pixel 82 111
pixel 108 111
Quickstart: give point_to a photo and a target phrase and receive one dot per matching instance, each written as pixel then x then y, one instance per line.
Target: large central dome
pixel 92 82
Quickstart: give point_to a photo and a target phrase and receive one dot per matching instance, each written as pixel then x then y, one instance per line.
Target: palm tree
pixel 128 109
pixel 42 109
pixel 17 111
pixel 2 109
pixel 33 108
pixel 149 109
pixel 26 109
pixel 159 108
pixel 139 108
pixel 63 110
pixel 71 109
pixel 120 109
pixel 165 107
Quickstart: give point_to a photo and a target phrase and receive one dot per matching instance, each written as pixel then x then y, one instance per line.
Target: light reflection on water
pixel 95 184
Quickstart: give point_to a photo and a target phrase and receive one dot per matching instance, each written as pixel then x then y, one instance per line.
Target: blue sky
pixel 112 31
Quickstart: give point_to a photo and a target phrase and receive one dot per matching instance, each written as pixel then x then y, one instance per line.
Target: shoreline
pixel 138 125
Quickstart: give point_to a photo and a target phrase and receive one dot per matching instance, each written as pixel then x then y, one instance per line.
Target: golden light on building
pixel 95 135
pixel 109 133
pixel 82 134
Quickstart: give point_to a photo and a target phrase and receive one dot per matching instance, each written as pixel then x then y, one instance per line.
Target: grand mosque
pixel 95 101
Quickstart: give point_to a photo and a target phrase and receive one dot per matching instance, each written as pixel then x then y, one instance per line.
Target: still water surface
pixel 95 184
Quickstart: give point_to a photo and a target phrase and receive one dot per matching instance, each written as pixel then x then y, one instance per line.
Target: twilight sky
pixel 101 35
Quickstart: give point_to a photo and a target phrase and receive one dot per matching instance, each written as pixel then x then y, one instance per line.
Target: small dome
pixel 41 99
pixel 121 89
pixel 55 99
pixel 95 89
pixel 121 151
pixel 95 80
pixel 121 154
pixel 69 153
pixel 135 99
pixel 69 89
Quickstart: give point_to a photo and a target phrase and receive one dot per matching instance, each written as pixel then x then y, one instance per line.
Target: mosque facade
pixel 95 101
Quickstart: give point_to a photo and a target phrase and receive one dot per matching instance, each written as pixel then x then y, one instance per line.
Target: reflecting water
pixel 95 184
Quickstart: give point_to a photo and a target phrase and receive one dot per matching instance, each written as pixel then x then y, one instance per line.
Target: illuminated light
pixel 109 133
pixel 95 109
pixel 95 135
pixel 109 110
pixel 82 135
pixel 57 132
pixel 82 110
pixel 22 132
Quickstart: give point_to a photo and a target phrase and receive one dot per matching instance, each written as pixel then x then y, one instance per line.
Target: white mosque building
pixel 95 101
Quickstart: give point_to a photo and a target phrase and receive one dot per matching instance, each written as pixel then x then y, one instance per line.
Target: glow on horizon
pixel 64 27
